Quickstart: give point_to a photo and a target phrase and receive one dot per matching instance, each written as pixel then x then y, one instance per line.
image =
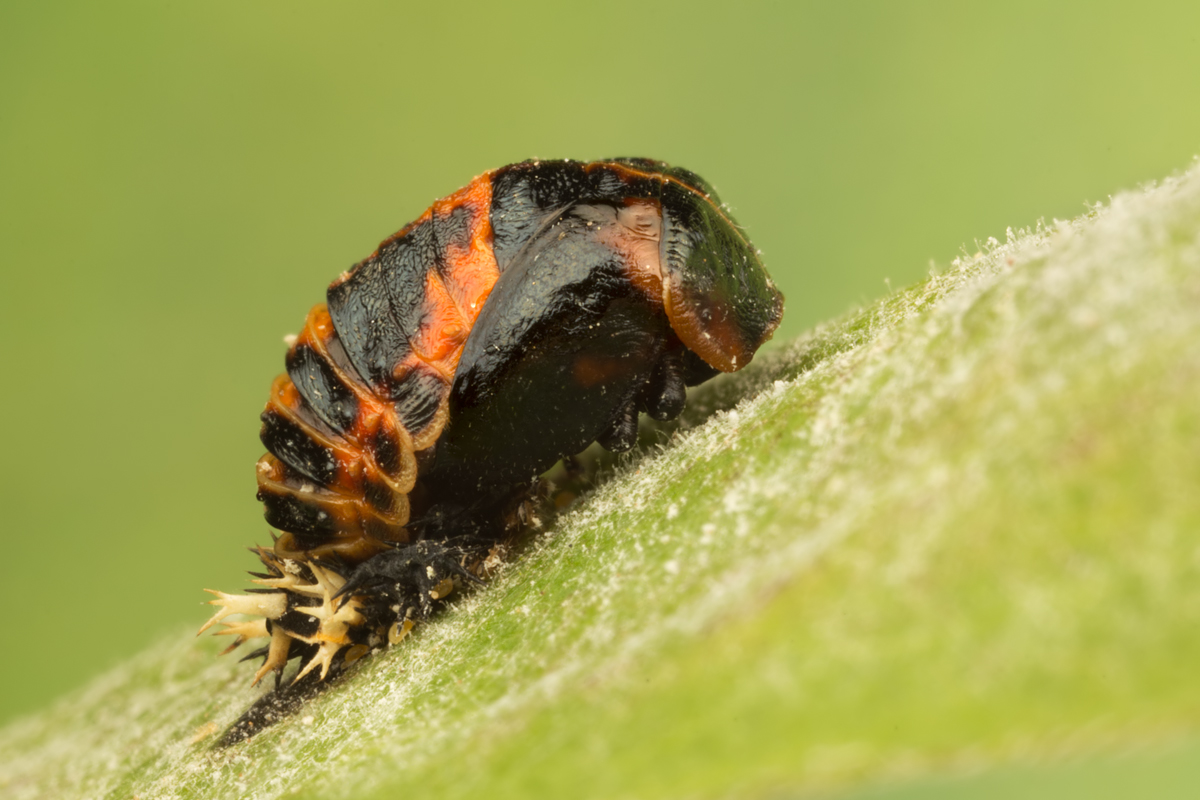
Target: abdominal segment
pixel 367 385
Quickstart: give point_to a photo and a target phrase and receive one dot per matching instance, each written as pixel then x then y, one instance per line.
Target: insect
pixel 538 309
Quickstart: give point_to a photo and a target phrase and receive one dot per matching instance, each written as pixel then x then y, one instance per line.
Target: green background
pixel 178 183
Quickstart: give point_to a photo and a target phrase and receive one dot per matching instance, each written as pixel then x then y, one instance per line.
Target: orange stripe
pixel 443 330
pixel 472 272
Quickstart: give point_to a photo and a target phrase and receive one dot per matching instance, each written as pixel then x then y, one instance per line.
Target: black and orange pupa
pixel 538 309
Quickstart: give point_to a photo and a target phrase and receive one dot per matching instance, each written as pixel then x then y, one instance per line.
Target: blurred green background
pixel 179 182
